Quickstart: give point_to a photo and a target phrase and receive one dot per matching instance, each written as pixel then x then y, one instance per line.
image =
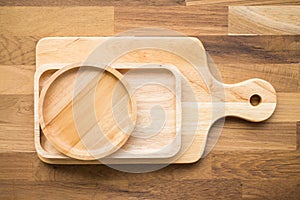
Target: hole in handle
pixel 255 100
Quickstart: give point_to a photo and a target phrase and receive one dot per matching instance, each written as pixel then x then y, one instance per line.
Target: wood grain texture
pixel 264 20
pixel 59 117
pixel 237 136
pixel 259 165
pixel 222 49
pixel 187 21
pixel 284 77
pixel 264 174
pixel 298 134
pixel 23 21
pixel 63 190
pixel 17 50
pixel 271 189
pixel 16 79
pixel 253 49
pixel 17 167
pixel 255 137
pixel 140 144
pixel 76 55
pixel 284 111
pixel 16 123
pixel 201 170
pixel 95 173
pixel 236 95
pixel 241 2
pixel 194 189
pixel 91 3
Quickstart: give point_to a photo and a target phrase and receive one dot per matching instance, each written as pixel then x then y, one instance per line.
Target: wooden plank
pixel 223 49
pixel 7 192
pixel 17 50
pixel 299 79
pixel 298 135
pixel 283 77
pixel 21 29
pixel 30 21
pixel 91 3
pixel 16 166
pixel 94 173
pixel 271 189
pixel 189 189
pixel 241 2
pixel 27 166
pixel 16 123
pixel 187 20
pixel 69 173
pixel 165 174
pixel 63 190
pixel 288 108
pixel 264 20
pixel 237 135
pixel 16 79
pixel 195 171
pixel 253 49
pixel 258 165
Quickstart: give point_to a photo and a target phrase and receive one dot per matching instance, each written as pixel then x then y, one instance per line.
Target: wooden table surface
pixel 250 160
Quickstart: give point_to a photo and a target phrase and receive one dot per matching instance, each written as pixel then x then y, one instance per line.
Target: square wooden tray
pixel 161 82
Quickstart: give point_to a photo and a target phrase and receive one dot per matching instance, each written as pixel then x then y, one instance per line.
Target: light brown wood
pixel 16 116
pixel 265 162
pixel 273 189
pixel 20 83
pixel 276 49
pixel 289 114
pixel 77 189
pixel 298 135
pixel 71 54
pixel 157 187
pixel 188 20
pixel 273 58
pixel 152 86
pixel 156 135
pixel 241 2
pixel 236 96
pixel 64 102
pixel 17 50
pixel 267 20
pixel 51 21
pixel 116 3
pixel 259 49
pixel 17 130
pixel 238 99
pixel 255 136
pixel 281 73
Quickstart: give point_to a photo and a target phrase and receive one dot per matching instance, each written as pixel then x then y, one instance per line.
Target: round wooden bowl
pixel 87 112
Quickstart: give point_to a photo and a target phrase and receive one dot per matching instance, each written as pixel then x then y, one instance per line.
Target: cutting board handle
pixel 253 100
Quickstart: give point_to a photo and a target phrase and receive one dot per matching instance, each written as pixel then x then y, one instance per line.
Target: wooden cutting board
pixel 235 100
